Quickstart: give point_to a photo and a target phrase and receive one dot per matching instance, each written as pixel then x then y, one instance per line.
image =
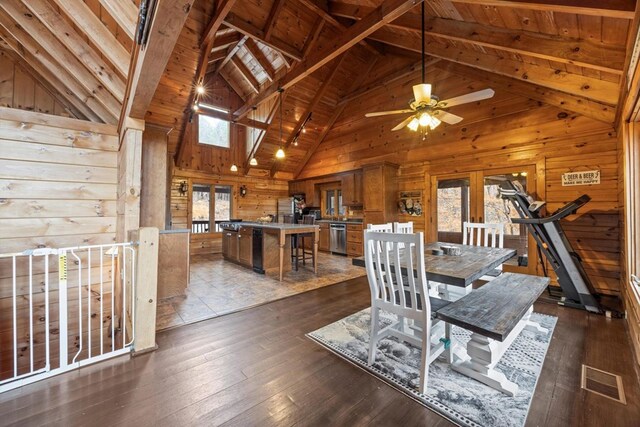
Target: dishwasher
pixel 338 238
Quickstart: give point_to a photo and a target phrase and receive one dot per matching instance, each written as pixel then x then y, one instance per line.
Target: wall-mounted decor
pixel 410 203
pixel 581 178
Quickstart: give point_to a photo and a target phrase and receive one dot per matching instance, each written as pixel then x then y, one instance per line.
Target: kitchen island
pixel 239 238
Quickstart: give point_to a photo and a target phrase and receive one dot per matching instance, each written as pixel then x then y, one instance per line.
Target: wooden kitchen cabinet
pixel 355 246
pixel 380 193
pixel 230 245
pixel 245 246
pixel 323 244
pixel 352 189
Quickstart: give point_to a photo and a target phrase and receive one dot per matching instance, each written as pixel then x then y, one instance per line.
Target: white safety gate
pixel 64 308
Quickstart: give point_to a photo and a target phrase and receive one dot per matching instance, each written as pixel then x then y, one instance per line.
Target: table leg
pixel 316 239
pixel 485 353
pixel 282 244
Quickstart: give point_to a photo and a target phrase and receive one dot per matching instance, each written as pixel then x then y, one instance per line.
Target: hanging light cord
pixel 281 118
pixel 422 23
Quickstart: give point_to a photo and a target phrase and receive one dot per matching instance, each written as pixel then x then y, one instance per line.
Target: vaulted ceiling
pixel 327 55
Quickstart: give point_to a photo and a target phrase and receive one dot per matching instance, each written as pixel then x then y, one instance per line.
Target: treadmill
pixel 547 231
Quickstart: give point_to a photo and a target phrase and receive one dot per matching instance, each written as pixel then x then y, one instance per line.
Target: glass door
pixel 495 210
pixel 474 197
pixel 452 195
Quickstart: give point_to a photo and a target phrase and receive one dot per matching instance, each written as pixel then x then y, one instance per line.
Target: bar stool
pixel 295 254
pixel 307 254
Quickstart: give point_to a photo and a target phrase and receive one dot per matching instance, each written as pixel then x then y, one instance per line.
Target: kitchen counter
pixel 340 221
pixel 290 228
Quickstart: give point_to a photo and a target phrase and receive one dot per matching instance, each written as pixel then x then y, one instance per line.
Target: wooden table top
pixel 463 270
pixel 497 307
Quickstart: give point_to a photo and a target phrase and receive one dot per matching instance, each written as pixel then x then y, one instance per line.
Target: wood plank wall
pixel 19 89
pixel 261 199
pixel 58 181
pixel 507 130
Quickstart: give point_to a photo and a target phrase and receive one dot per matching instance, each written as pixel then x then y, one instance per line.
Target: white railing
pixel 92 303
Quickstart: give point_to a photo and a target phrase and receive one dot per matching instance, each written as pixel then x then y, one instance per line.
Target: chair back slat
pixel 381 228
pixel 396 272
pixel 481 234
pixel 403 227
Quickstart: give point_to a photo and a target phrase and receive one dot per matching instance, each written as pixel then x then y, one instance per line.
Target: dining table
pixel 459 270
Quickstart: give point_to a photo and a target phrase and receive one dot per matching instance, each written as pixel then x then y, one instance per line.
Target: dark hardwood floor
pixel 256 367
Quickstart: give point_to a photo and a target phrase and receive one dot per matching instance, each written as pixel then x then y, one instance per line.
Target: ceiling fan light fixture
pixel 413 124
pixel 424 119
pixel 280 153
pixel 422 93
pixel 253 162
pixel 434 123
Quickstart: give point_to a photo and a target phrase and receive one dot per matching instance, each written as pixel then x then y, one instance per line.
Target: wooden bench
pixel 495 314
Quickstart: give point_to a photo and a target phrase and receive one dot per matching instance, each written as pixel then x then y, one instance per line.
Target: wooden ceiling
pixel 327 56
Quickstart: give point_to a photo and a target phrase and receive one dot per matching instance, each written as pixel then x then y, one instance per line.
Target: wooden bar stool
pixel 307 253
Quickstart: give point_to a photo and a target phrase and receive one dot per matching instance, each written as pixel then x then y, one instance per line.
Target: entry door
pixel 474 197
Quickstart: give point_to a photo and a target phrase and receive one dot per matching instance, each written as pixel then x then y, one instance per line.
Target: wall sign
pixel 581 178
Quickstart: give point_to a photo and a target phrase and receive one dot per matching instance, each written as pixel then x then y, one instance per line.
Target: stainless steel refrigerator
pixel 291 206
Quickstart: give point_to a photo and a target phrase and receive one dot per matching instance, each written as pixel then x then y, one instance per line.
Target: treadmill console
pixel 537 205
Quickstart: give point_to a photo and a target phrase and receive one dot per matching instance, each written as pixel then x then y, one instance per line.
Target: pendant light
pixel 234 168
pixel 253 161
pixel 280 153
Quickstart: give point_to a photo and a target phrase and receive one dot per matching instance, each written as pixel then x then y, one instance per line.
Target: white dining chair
pixel 487 235
pixel 403 227
pixel 406 296
pixel 381 228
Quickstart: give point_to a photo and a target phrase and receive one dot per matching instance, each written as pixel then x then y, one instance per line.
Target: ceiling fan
pixel 427 110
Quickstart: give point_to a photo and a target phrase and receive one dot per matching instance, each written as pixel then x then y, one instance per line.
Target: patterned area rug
pixel 456 397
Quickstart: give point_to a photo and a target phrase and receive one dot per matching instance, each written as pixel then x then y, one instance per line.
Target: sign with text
pixel 580 178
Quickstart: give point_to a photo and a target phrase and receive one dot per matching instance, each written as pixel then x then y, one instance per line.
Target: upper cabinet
pixel 352 189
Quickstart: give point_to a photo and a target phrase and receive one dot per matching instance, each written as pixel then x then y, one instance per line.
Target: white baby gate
pixel 61 309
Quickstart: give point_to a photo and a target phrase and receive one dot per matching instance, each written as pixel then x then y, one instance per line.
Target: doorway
pixel 474 197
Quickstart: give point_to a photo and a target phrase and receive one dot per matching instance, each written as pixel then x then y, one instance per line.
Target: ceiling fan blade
pixel 403 123
pixel 385 113
pixel 465 99
pixel 446 117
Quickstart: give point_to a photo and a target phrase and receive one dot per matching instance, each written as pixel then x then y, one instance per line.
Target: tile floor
pixel 220 287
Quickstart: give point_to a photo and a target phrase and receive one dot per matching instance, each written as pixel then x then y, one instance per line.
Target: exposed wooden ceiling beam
pixel 334 117
pixel 224 41
pixel 406 72
pixel 576 104
pixel 53 80
pixel 321 10
pixel 610 8
pixel 151 60
pixel 246 74
pixel 272 18
pixel 229 118
pixel 75 78
pixel 313 37
pixel 583 53
pixel 125 14
pixel 260 57
pixel 270 121
pixel 251 30
pixel 585 86
pixel 97 32
pixel 312 105
pixel 386 12
pixel 77 46
pixel 233 84
pixel 232 51
pixel 206 43
pixel 217 56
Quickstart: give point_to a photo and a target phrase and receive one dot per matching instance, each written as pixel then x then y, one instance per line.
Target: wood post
pixel 146 290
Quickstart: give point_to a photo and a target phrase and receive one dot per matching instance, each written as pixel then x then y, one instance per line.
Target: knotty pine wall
pixel 19 89
pixel 58 180
pixel 204 164
pixel 508 130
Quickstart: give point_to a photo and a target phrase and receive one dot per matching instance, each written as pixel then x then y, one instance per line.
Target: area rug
pixel 460 399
